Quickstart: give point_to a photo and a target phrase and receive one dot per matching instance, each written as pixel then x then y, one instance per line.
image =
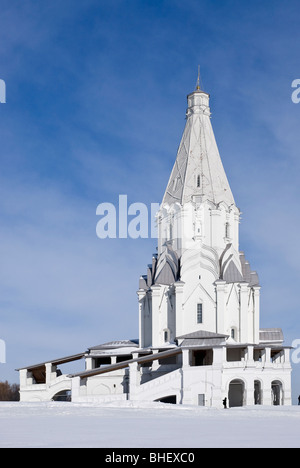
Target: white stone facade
pixel 200 341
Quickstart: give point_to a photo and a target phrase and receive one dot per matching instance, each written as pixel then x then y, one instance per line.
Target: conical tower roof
pixel 198 169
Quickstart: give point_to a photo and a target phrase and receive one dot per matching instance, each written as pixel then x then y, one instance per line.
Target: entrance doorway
pixel 277 393
pixel 236 393
pixel 257 392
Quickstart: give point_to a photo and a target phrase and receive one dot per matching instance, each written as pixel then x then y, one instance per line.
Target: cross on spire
pixel 198 80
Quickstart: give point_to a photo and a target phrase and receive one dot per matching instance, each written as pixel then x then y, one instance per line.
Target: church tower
pixel 199 337
pixel 198 280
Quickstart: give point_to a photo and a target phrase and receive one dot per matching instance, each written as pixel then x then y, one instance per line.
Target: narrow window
pixel 227 232
pixel 233 333
pixel 166 336
pixel 199 313
pixel 198 181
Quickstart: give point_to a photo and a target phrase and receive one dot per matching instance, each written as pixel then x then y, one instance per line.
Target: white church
pixel 200 340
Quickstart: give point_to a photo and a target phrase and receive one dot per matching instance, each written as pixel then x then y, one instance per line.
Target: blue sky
pixel 96 99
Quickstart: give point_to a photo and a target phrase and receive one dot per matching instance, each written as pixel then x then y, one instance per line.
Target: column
pixel 286 357
pixel 88 363
pixel 25 379
pixel 266 357
pixel 50 372
pixel 185 358
pixel 266 391
pixel 219 356
pixel 250 392
pixel 250 356
pixel 76 386
pixel 155 363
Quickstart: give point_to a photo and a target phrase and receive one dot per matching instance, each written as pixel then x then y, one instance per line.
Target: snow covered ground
pixel 146 425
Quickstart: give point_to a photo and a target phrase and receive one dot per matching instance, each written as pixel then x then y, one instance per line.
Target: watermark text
pixel 296 94
pixel 296 353
pixel 2 92
pixel 133 221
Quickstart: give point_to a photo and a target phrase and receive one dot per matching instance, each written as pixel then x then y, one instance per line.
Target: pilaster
pixel 256 290
pixel 141 294
pixel 220 305
pixel 133 380
pixel 155 293
pixel 216 230
pixel 179 285
pixel 244 290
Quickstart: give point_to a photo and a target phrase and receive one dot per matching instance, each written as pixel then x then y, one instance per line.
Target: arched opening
pixel 64 395
pixel 236 393
pixel 277 393
pixel 168 399
pixel 257 392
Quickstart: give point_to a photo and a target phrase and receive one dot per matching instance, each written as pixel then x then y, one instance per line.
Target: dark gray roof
pixel 230 271
pixel 167 267
pixel 202 338
pixel 232 274
pixel 202 334
pixel 270 334
pixel 164 269
pixel 117 344
pixel 250 277
pixel 143 282
pixel 198 343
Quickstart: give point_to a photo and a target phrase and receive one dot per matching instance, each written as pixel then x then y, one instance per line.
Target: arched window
pixel 198 181
pixel 199 313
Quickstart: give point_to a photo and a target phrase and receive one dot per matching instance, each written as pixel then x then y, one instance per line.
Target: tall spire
pixel 198 169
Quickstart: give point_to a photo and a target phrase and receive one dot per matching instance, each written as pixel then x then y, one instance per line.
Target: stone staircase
pixel 160 387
